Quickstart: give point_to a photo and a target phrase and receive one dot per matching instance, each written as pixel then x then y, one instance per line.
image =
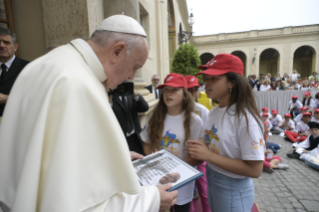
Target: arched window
pixel 6 16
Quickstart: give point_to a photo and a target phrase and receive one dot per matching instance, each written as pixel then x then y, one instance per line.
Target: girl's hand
pixel 305 151
pixel 198 150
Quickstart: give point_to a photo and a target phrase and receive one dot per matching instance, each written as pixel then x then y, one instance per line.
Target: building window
pixel 6 16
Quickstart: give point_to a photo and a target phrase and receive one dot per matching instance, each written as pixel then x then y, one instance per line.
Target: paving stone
pixel 310 205
pixel 297 205
pixel 287 205
pixel 292 199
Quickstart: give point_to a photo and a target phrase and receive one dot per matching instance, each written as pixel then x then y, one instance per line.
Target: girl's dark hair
pixel 242 95
pixel 317 96
pixel 308 103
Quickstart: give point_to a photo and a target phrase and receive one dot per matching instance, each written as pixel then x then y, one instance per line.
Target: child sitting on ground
pixel 316 117
pixel 268 127
pixel 294 106
pixel 288 124
pixel 276 120
pixel 307 145
pixel 298 118
pixel 265 110
pixel 308 101
pixel 302 129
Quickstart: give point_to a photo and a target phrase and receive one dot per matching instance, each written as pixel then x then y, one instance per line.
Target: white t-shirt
pixel 227 136
pixel 268 124
pixel 305 88
pixel 269 115
pixel 291 124
pixel 313 119
pixel 311 103
pixel 302 127
pixel 294 76
pixel 173 140
pixel 298 118
pixel 202 111
pixel 316 103
pixel 264 87
pixel 275 121
pixel 296 104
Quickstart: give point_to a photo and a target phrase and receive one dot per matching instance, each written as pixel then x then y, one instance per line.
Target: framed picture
pixel 164 167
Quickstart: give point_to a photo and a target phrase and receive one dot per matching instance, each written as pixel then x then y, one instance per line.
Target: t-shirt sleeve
pixel 299 105
pixel 197 128
pixel 279 117
pixel 298 128
pixel 312 103
pixel 144 134
pixel 291 124
pixel 251 142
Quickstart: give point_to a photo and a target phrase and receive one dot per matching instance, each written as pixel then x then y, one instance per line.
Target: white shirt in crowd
pixel 311 104
pixel 305 88
pixel 302 127
pixel 268 124
pixel 275 121
pixel 298 118
pixel 155 91
pixel 313 119
pixel 316 103
pixel 264 87
pixel 290 124
pixel 202 111
pixel 297 104
pixel 294 76
pixel 227 135
pixel 174 131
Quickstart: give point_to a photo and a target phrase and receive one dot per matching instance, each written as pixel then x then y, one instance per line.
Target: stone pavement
pixel 295 189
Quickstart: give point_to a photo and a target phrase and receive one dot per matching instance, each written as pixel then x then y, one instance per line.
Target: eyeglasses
pixel 155 79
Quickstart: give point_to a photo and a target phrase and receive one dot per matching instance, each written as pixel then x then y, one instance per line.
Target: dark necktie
pixel 4 71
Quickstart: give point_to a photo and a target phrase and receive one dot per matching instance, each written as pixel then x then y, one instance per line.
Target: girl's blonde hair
pixel 266 80
pixel 156 123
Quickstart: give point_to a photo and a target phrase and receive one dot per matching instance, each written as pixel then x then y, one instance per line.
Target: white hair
pixel 154 75
pixel 104 38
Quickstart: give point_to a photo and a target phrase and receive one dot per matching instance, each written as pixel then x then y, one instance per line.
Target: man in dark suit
pixel 153 86
pixel 10 64
pixel 126 109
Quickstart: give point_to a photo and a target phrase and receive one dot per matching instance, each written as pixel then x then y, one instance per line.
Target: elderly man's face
pixel 125 67
pixel 170 178
pixel 7 48
pixel 155 81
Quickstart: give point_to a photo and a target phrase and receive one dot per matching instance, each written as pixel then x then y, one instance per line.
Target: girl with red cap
pixel 275 120
pixel 234 136
pixel 288 124
pixel 298 118
pixel 294 106
pixel 170 125
pixel 308 101
pixel 302 129
pixel 265 110
pixel 202 111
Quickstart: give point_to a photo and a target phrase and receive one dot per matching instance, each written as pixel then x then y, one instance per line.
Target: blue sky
pixel 226 16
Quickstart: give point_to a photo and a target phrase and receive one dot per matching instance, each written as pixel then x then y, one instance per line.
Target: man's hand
pixel 3 98
pixel 135 93
pixel 168 199
pixel 135 156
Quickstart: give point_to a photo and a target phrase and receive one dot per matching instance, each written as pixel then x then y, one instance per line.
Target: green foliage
pixel 186 60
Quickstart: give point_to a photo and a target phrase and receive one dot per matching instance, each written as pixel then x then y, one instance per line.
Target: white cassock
pixel 61 147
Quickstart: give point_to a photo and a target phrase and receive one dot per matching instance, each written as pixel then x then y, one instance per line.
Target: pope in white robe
pixel 62 148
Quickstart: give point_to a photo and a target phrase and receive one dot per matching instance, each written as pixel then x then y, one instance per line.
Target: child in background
pixel 302 129
pixel 288 124
pixel 307 145
pixel 265 110
pixel 308 101
pixel 201 183
pixel 294 106
pixel 316 117
pixel 276 120
pixel 170 125
pixel 298 118
pixel 267 123
pixel 268 126
pixel 265 86
pixel 316 102
pixel 234 136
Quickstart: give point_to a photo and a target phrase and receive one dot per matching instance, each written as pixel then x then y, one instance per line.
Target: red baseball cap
pixel 295 97
pixel 264 109
pixel 317 110
pixel 303 108
pixel 274 111
pixel 307 93
pixel 306 114
pixel 265 114
pixel 222 64
pixel 174 80
pixel 192 81
pixel 287 115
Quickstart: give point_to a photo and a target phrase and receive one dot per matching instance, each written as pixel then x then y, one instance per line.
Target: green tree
pixel 186 60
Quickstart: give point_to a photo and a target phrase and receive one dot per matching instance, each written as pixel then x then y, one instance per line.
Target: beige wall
pixel 285 41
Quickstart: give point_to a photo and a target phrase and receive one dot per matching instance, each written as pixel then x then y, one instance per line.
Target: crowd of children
pixel 216 141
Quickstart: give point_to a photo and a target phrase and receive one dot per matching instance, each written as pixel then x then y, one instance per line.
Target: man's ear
pixel 15 47
pixel 117 50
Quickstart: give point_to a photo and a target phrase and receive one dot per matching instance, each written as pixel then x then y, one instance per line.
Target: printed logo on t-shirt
pixel 255 145
pixel 211 134
pixel 168 140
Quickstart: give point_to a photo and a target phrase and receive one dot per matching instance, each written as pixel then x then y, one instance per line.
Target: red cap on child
pixel 264 109
pixel 274 111
pixel 192 81
pixel 222 64
pixel 307 93
pixel 295 97
pixel 317 110
pixel 174 80
pixel 303 109
pixel 287 115
pixel 265 114
pixel 306 114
